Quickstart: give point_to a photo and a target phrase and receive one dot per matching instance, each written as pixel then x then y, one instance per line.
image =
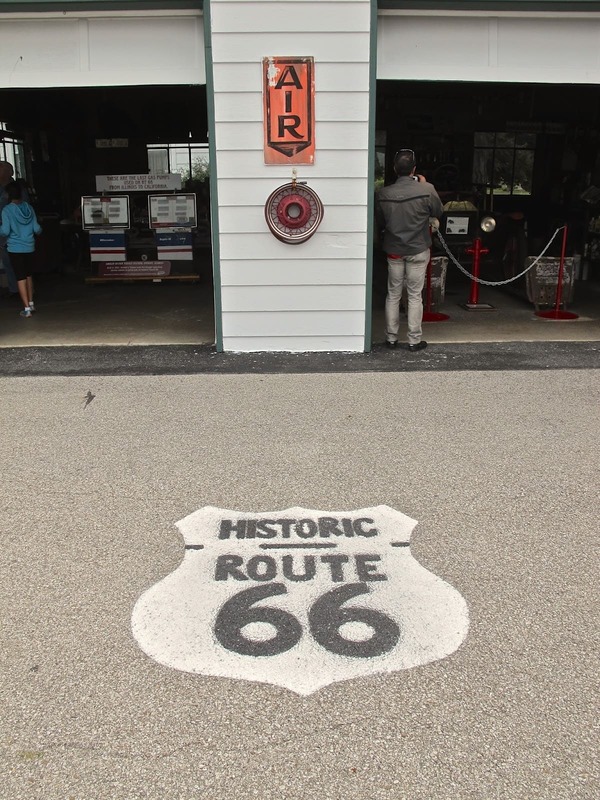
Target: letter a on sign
pixel 289 100
pixel 299 598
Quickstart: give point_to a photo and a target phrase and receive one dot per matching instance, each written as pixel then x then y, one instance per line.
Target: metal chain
pixel 498 283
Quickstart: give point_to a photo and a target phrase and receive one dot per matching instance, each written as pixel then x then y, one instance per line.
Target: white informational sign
pixel 299 598
pixel 109 143
pixel 457 225
pixel 134 269
pixel 104 212
pixel 172 211
pixel 138 183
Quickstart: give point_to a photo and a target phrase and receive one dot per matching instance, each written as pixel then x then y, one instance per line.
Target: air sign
pixel 299 599
pixel 289 110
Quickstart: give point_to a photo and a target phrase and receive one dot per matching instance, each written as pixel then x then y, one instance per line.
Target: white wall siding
pixel 292 297
pixel 284 272
pixel 298 344
pixel 235 191
pixel 247 219
pixel 307 324
pixel 331 46
pixel 279 16
pixel 330 135
pixel 95 49
pixel 336 245
pixel 331 106
pixel 520 48
pixel 338 77
pixel 244 163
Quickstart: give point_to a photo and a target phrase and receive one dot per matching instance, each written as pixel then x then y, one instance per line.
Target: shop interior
pixel 526 155
pixel 59 140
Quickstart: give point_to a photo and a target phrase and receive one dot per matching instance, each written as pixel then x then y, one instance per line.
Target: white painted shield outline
pixel 173 621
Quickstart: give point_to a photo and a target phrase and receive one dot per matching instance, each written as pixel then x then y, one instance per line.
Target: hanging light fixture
pixel 487 224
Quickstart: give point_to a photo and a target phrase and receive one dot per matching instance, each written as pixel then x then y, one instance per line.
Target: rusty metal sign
pixel 289 110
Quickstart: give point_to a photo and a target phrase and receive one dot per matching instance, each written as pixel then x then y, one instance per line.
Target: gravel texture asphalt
pixel 498 465
pixel 198 359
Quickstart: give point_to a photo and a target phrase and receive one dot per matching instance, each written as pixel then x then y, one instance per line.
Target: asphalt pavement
pixel 497 465
pixel 200 359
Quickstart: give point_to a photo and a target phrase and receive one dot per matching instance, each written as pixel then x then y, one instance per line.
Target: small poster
pixel 107 244
pixel 138 183
pixel 105 212
pixel 134 269
pixel 175 244
pixel 457 225
pixel 107 143
pixel 172 211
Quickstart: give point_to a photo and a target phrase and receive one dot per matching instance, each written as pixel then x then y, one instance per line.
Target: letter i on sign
pixel 317 597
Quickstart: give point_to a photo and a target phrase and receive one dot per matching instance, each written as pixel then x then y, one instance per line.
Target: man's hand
pixel 421 178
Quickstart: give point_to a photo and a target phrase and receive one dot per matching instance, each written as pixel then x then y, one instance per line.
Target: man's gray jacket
pixel 402 211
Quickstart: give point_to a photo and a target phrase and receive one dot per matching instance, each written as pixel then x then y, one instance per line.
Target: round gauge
pixel 293 213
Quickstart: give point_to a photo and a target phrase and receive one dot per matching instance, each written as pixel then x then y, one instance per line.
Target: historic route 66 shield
pixel 299 598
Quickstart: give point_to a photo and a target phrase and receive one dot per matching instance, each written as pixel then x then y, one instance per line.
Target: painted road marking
pixel 331 596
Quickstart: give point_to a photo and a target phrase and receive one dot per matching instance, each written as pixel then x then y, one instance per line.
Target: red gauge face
pixel 293 213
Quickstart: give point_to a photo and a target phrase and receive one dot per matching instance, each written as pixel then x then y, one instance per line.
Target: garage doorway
pixel 529 154
pixel 64 138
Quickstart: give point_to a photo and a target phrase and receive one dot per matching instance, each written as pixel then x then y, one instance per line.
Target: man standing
pixel 403 212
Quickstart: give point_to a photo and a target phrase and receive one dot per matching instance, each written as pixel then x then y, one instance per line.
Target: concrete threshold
pixel 202 359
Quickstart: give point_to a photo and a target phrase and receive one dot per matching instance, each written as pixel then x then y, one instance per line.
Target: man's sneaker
pixel 31 307
pixel 418 346
pixel 391 344
pixel 25 313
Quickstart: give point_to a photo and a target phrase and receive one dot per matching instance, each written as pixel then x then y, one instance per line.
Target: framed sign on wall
pixel 289 110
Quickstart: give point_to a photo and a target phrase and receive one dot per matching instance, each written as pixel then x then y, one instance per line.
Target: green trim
pixel 491 5
pixel 451 5
pixel 30 6
pixel 371 179
pixel 214 197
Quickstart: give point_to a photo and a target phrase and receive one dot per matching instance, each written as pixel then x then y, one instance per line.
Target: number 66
pixel 325 618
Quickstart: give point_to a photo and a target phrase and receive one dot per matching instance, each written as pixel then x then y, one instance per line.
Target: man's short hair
pixel 404 162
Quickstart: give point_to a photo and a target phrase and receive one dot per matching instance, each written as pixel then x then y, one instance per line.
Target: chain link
pixel 497 283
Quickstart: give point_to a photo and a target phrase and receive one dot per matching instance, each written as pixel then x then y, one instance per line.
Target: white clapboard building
pixel 270 295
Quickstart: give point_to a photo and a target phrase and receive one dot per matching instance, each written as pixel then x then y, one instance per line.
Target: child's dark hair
pixel 13 191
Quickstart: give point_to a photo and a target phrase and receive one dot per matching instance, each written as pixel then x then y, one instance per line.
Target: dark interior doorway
pixel 68 137
pixel 529 153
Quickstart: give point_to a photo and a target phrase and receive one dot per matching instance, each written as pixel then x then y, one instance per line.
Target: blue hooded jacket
pixel 19 224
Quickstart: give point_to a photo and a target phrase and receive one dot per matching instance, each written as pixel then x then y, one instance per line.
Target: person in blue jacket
pixel 19 226
pixel 6 177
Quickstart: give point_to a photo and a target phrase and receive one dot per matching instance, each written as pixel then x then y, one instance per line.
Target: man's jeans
pixel 6 266
pixel 413 269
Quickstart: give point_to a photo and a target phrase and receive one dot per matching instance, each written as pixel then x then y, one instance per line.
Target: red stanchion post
pixel 556 313
pixel 473 303
pixel 428 314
